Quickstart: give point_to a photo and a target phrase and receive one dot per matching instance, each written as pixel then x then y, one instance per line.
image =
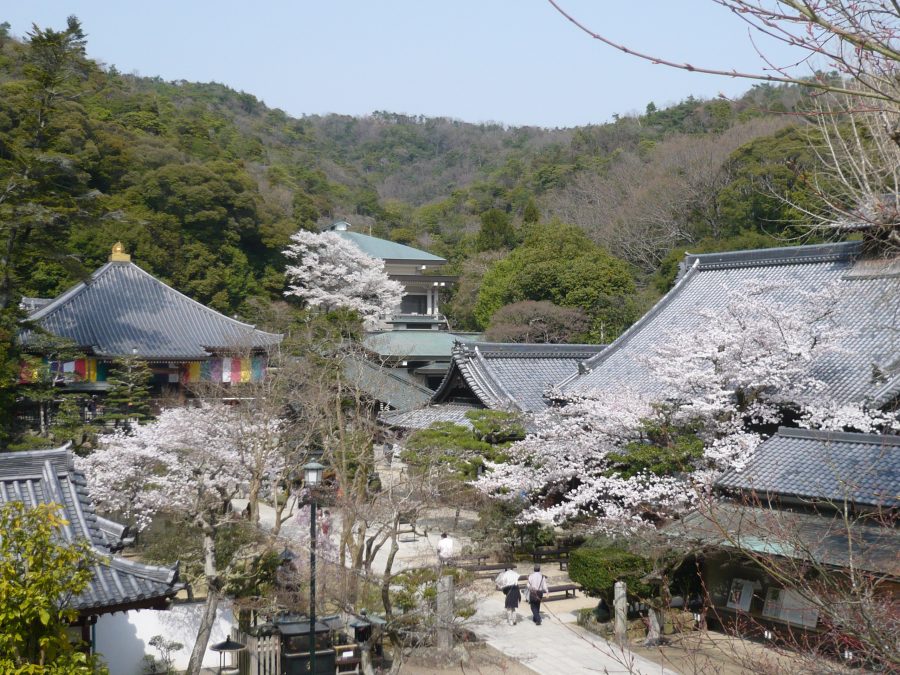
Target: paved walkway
pixel 557 646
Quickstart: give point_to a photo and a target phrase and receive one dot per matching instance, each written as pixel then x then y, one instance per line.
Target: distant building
pixel 418 272
pixel 121 310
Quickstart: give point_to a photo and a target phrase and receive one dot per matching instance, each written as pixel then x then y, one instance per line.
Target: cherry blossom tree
pixel 330 272
pixel 189 463
pixel 625 459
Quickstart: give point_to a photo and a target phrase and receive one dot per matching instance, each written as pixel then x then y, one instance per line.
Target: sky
pixel 517 62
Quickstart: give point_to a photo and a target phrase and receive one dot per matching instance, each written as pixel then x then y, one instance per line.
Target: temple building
pixel 122 310
pixel 118 584
pixel 417 270
pixel 494 376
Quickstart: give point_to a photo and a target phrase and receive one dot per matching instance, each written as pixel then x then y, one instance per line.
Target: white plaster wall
pixel 123 638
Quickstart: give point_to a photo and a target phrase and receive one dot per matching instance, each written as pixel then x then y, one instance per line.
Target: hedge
pixel 598 569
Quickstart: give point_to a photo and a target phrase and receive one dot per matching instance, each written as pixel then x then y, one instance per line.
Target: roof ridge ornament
pixel 118 253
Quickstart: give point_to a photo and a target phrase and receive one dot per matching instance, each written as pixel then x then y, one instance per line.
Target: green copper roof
pixel 382 248
pixel 414 344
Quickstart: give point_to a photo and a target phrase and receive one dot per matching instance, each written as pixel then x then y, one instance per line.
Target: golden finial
pixel 118 253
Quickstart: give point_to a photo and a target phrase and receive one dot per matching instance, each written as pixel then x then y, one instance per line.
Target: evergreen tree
pixel 129 394
pixel 531 215
pixel 496 231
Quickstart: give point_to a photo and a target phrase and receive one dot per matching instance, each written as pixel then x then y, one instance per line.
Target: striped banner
pixel 227 370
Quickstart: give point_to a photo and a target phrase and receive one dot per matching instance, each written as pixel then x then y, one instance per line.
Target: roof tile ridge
pixel 70 293
pixel 594 361
pixel 783 255
pixel 457 352
pixel 537 350
pixel 844 436
pixel 50 478
pixel 503 392
pixel 161 573
pixel 886 392
pixel 209 310
pixel 470 375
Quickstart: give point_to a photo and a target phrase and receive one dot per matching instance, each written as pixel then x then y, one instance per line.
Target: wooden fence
pixel 262 655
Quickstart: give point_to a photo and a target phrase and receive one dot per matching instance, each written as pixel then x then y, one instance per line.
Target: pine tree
pixel 129 394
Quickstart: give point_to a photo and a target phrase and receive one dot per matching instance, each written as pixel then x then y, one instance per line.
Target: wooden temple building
pixel 122 310
pixel 118 584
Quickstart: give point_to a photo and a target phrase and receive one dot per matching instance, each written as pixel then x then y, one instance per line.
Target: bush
pixel 598 569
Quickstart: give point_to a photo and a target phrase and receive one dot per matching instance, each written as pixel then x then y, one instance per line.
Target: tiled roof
pixel 49 476
pixel 822 466
pixel 383 248
pixel 867 304
pixel 123 308
pixel 422 418
pixel 391 386
pixel 413 344
pixel 826 538
pixel 511 376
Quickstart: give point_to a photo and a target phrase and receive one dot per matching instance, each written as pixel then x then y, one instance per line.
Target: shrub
pixel 598 569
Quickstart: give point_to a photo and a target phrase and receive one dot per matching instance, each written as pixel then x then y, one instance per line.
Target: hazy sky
pixel 512 61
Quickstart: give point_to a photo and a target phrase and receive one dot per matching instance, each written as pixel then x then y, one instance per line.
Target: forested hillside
pixel 204 184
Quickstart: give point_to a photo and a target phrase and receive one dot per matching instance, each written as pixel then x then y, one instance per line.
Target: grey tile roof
pixel 122 307
pixel 824 537
pixel 511 376
pixel 49 476
pixel 391 386
pixel 824 466
pixel 422 418
pixel 867 304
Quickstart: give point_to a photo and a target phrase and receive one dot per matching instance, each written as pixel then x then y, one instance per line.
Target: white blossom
pixel 187 461
pixel 331 272
pixel 746 364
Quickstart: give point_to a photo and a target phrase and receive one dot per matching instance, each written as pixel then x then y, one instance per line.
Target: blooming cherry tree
pixel 626 459
pixel 188 463
pixel 328 271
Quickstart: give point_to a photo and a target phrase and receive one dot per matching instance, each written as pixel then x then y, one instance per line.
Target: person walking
pixel 537 589
pixel 445 549
pixel 506 578
pixel 512 604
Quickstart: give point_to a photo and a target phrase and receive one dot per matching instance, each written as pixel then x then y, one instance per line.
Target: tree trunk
pixel 213 595
pixel 386 582
pixel 365 658
pixel 654 633
pixel 253 499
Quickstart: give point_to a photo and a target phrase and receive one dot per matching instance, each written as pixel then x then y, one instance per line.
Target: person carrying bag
pixel 537 589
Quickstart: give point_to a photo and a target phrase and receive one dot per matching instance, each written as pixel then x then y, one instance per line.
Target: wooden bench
pixel 562 588
pixel 565 589
pixel 560 555
pixel 486 571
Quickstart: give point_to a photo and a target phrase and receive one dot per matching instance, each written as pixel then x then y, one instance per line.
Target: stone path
pixel 557 646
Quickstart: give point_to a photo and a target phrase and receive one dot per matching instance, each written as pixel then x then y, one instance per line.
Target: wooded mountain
pixel 204 184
